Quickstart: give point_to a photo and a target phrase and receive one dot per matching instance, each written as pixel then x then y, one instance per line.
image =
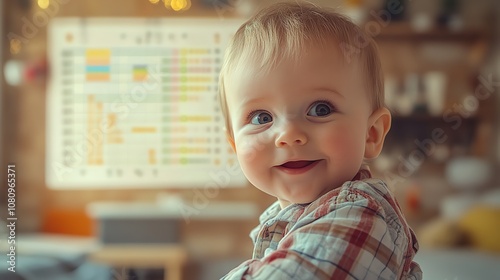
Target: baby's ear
pixel 379 124
pixel 230 139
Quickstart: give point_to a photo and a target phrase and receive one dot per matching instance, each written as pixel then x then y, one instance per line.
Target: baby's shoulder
pixel 368 189
pixel 369 195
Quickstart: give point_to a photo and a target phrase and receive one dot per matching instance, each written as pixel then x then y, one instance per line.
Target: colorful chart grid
pixel 97 66
pixel 132 104
pixel 140 73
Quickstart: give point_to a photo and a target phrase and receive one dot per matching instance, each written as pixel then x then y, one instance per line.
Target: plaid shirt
pixel 356 231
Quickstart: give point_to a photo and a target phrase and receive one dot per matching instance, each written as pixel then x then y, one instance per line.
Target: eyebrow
pixel 244 103
pixel 249 101
pixel 327 89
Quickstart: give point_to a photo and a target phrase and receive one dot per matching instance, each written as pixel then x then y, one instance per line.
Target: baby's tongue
pixel 297 164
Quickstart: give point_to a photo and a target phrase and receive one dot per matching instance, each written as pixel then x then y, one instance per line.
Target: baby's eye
pixel 261 118
pixel 320 109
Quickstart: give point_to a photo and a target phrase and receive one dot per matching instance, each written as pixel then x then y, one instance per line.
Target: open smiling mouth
pixel 297 167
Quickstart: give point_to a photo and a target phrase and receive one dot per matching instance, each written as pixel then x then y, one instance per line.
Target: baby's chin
pixel 288 196
pixel 302 200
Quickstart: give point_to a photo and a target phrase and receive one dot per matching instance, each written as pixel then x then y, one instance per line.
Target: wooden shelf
pixel 427 118
pixel 170 257
pixel 404 31
pixel 421 126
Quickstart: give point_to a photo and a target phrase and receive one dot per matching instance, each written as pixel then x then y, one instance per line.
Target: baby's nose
pixel 291 135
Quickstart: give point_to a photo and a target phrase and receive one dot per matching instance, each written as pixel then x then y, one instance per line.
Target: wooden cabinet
pixel 423 139
pixel 408 59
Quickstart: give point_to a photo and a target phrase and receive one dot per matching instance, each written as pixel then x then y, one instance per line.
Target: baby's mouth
pixel 298 164
pixel 297 167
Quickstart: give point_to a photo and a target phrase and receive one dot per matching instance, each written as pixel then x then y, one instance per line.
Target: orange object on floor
pixel 67 221
pixel 413 199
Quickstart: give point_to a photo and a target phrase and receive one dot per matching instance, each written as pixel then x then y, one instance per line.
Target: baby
pixel 301 89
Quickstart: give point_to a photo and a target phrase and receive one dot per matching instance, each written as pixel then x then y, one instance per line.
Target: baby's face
pixel 300 132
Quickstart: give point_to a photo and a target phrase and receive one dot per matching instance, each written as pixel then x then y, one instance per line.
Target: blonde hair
pixel 283 30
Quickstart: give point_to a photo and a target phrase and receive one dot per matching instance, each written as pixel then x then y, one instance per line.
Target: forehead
pixel 313 65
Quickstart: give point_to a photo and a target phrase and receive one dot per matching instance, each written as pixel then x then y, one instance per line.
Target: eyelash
pixel 252 114
pixel 334 109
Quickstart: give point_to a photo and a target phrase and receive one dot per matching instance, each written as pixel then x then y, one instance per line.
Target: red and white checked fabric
pixel 356 231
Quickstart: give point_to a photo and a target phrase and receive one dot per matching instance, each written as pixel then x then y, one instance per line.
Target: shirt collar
pixel 363 173
pixel 275 211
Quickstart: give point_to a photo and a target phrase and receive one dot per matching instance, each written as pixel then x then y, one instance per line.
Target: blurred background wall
pixel 441 63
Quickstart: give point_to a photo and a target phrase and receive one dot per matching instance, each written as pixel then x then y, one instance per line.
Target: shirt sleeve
pixel 351 241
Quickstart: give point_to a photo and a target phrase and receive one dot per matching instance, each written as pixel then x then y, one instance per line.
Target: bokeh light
pixel 176 5
pixel 43 4
pixel 15 46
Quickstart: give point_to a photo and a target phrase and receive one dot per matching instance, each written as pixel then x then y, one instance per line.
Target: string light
pixel 176 5
pixel 43 4
pixel 167 3
pixel 15 46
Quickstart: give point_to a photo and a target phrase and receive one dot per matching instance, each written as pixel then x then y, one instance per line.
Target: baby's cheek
pixel 247 156
pixel 250 160
pixel 252 147
pixel 346 146
pixel 247 150
pixel 353 151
